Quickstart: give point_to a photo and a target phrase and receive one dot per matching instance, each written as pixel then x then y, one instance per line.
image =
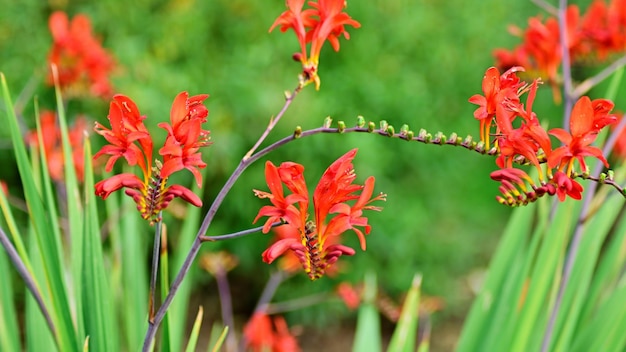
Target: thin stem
pixel 155 268
pixel 273 121
pixel 566 66
pixel 298 303
pixel 546 7
pixel 237 234
pixel 590 82
pixel 270 288
pixel 227 307
pixel 29 280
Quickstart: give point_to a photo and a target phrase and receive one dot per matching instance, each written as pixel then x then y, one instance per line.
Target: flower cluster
pixel 314 242
pixel 129 138
pixel 82 63
pixel 51 136
pixel 265 334
pixel 594 35
pixel 324 21
pixel 501 103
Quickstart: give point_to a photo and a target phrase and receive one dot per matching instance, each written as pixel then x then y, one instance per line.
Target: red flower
pixel 129 138
pixel 587 119
pixel 314 244
pixel 51 135
pixel 84 66
pixel 325 21
pixel 261 336
pixel 496 88
pixel 185 136
pixel 565 186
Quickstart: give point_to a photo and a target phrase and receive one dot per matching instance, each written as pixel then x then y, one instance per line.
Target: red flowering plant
pixel 310 231
pixel 595 36
pixel 531 142
pixel 83 65
pixel 313 243
pixel 129 138
pixel 325 21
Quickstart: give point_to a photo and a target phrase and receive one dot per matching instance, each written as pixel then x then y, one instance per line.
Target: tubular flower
pixel 314 240
pixel 51 135
pixel 129 138
pixel 83 65
pixel 591 36
pixel 532 142
pixel 587 119
pixel 324 21
pixel 263 334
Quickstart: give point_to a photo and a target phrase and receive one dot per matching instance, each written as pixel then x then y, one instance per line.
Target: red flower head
pixel 84 66
pixel 314 244
pixel 496 88
pixel 587 119
pixel 52 145
pixel 324 21
pixel 129 138
pixel 261 336
pixel 565 186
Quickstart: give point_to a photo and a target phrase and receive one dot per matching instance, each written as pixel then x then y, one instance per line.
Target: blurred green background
pixel 414 62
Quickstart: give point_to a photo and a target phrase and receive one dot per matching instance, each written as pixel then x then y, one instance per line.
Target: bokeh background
pixel 414 62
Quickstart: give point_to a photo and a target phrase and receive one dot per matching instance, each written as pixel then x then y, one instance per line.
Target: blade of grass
pixel 543 282
pixel 9 334
pixel 405 334
pixel 195 331
pixel 217 340
pixel 38 336
pixel 73 204
pixel 134 274
pixel 367 336
pixel 98 315
pixel 479 320
pixel 44 232
pixel 574 296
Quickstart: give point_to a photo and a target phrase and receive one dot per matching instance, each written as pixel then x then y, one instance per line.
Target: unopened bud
pixel 383 125
pixel 341 126
pixel 328 121
pixel 371 127
pixel 390 131
pixel 360 121
pixel 297 132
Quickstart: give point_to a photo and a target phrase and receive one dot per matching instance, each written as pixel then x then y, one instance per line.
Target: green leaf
pixel 45 232
pixel 367 336
pixel 195 331
pixel 98 313
pixel 405 334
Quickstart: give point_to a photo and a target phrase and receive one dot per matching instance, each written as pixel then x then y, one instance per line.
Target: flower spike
pixel 129 138
pixel 338 207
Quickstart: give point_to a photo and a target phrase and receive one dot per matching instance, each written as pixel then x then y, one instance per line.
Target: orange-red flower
pixel 263 334
pixel 324 21
pixel 51 135
pixel 497 88
pixel 313 246
pixel 83 65
pixel 587 119
pixel 129 138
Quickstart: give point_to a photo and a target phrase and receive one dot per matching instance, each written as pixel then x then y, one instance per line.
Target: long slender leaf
pixel 405 334
pixel 367 336
pixel 98 313
pixel 44 232
pixel 195 331
pixel 9 334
